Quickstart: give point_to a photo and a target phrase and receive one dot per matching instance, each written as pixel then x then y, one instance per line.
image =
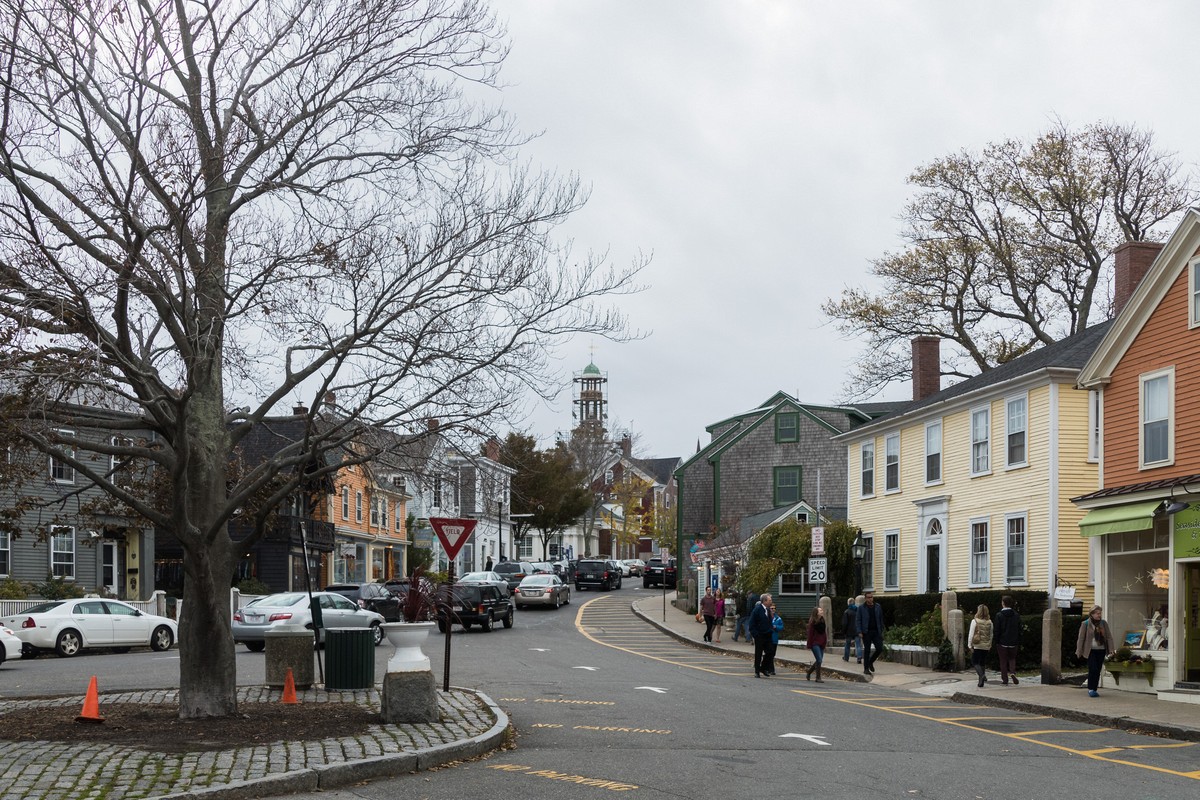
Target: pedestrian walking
pixel 850 631
pixel 487 566
pixel 1008 638
pixel 708 607
pixel 980 638
pixel 720 615
pixel 870 627
pixel 743 626
pixel 1095 643
pixel 816 637
pixel 776 629
pixel 761 629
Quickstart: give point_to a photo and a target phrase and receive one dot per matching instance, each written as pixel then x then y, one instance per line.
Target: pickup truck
pixel 659 574
pixel 596 572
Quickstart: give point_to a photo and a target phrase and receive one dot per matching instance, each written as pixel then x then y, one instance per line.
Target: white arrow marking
pixel 810 737
pixel 540 649
pixel 589 669
pixel 653 689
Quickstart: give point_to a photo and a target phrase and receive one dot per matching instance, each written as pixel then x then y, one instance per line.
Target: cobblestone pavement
pixel 472 725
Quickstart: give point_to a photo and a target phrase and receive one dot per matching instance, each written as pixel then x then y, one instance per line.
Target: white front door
pixel 108 567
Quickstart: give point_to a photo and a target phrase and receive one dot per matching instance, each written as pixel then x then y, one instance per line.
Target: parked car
pixel 68 626
pixel 252 621
pixel 542 568
pixel 602 574
pixel 543 590
pixel 513 571
pixel 487 577
pixel 479 604
pixel 626 571
pixel 371 596
pixel 637 567
pixel 562 569
pixel 10 645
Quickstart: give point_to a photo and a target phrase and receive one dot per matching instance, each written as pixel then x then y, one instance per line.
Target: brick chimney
pixel 431 424
pixel 300 410
pixel 1131 262
pixel 491 449
pixel 926 366
pixel 627 446
pixel 331 399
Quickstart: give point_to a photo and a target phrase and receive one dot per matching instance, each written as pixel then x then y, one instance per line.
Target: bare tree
pixel 234 204
pixel 1007 248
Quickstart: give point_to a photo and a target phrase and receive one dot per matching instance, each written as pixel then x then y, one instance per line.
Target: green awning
pixel 1118 519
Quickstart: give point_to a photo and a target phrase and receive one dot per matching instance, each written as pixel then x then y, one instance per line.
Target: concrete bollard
pixel 955 634
pixel 949 603
pixel 1052 646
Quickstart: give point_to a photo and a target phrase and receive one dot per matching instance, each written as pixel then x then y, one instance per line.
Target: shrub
pixel 253 586
pixel 926 632
pixel 58 589
pixel 13 589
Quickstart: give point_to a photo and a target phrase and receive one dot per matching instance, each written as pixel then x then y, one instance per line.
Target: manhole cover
pixel 940 681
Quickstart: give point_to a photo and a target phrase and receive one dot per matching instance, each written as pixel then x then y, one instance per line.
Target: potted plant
pixel 416 609
pixel 1125 660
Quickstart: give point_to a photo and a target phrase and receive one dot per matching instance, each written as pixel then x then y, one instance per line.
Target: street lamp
pixel 858 550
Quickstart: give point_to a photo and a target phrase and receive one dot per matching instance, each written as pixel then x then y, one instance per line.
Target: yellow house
pixel 969 487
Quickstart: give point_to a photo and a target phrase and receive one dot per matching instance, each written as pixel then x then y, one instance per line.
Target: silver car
pixel 252 621
pixel 542 590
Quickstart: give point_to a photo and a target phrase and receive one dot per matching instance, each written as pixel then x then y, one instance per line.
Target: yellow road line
pixel 984 716
pixel 1065 730
pixel 1154 746
pixel 1023 736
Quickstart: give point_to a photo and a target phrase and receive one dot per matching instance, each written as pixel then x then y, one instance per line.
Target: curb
pixel 854 677
pixel 1183 733
pixel 331 776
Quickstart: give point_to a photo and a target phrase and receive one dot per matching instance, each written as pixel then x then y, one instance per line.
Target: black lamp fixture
pixel 1171 506
pixel 858 549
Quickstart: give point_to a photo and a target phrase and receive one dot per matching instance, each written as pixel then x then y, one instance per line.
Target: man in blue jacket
pixel 762 631
pixel 870 627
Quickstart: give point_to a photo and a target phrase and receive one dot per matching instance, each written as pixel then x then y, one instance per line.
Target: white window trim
pixel 1008 431
pixel 888 587
pixel 1022 515
pixel 806 588
pixel 868 576
pixel 69 532
pixel 358 507
pixel 345 502
pixel 6 547
pixel 63 481
pixel 986 442
pixel 941 454
pixel 987 578
pixel 1095 426
pixel 1193 288
pixel 891 437
pixel 862 468
pixel 1169 374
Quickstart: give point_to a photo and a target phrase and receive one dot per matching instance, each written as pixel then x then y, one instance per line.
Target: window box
pixel 1119 668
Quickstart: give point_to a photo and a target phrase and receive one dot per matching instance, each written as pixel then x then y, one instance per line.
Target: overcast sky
pixel 759 151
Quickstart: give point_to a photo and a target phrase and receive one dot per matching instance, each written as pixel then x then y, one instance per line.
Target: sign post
pixel 818 569
pixel 453 534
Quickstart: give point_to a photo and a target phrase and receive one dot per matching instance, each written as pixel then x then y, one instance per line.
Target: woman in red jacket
pixel 816 642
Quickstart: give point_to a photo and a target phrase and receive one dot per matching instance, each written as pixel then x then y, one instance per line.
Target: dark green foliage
pixel 945 659
pixel 926 632
pixel 57 589
pixel 419 558
pixel 13 589
pixel 253 586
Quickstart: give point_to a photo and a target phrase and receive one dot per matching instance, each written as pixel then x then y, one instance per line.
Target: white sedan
pixel 10 645
pixel 68 626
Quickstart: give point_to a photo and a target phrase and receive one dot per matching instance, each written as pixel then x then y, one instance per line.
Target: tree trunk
pixel 207 667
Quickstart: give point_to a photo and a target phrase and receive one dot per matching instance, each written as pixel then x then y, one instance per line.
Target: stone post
pixel 1052 646
pixel 949 603
pixel 955 634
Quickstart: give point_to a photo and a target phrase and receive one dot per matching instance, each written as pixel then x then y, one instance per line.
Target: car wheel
pixel 255 647
pixel 508 620
pixel 557 600
pixel 645 584
pixel 466 626
pixel 487 623
pixel 579 587
pixel 161 639
pixel 376 633
pixel 69 643
pixel 567 602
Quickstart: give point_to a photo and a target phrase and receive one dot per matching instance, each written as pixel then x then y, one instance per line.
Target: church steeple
pixel 590 405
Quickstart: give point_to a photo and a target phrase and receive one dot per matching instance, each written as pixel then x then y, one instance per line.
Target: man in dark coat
pixel 870 627
pixel 1008 636
pixel 762 631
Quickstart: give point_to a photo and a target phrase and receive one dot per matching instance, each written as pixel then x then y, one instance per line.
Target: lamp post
pixel 858 550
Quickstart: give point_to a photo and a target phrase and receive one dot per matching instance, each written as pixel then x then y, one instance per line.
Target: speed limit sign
pixel 818 569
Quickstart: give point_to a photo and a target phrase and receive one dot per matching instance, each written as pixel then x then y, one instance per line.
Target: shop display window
pixel 1138 574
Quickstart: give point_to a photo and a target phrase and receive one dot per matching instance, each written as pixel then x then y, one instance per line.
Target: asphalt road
pixel 603 703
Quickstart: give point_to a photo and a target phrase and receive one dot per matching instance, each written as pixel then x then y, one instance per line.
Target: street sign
pixel 818 541
pixel 818 569
pixel 452 533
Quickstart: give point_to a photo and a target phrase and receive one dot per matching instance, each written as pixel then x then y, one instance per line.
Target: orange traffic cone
pixel 91 705
pixel 289 689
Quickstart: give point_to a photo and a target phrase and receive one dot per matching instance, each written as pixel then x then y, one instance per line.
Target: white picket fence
pixel 157 604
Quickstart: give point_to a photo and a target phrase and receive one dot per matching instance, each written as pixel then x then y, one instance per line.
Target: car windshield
pixel 275 600
pixel 43 607
pixel 507 566
pixel 537 580
pixel 483 577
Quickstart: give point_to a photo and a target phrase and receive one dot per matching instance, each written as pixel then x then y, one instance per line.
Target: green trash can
pixel 349 658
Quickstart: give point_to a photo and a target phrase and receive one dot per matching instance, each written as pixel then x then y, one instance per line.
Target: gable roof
pixel 1069 354
pixel 659 468
pixel 1150 291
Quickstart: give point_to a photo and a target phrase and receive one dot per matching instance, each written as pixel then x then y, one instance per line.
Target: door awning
pixel 1118 519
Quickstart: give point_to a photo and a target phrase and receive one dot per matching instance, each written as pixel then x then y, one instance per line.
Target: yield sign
pixel 452 533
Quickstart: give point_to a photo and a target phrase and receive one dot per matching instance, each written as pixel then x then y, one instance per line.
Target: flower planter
pixel 407 638
pixel 1118 668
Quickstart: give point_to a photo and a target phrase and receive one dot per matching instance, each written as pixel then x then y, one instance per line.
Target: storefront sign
pixel 1187 534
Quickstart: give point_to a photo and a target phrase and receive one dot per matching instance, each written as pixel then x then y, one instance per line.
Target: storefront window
pixel 1137 564
pixel 350 563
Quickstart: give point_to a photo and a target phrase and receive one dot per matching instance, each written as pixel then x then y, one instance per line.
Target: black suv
pixel 477 603
pixel 603 574
pixel 371 596
pixel 513 571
